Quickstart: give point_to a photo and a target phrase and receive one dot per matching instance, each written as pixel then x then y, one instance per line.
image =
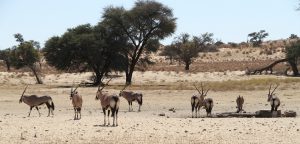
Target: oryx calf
pixel 130 97
pixel 197 100
pixel 35 101
pixel 239 103
pixel 109 103
pixel 76 102
pixel 274 100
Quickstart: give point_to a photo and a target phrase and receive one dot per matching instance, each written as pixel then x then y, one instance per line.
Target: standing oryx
pixel 130 97
pixel 76 102
pixel 109 103
pixel 197 101
pixel 35 101
pixel 239 103
pixel 274 100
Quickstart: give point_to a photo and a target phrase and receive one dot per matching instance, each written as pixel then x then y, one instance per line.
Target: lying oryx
pixel 35 101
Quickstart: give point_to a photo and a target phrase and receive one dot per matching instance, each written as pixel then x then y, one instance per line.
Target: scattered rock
pixel 290 113
pixel 162 114
pixel 172 109
pixel 186 131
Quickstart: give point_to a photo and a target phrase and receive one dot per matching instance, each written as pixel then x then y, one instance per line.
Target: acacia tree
pixel 257 37
pixel 293 55
pixel 85 48
pixel 169 52
pixel 144 25
pixel 293 36
pixel 26 55
pixel 186 49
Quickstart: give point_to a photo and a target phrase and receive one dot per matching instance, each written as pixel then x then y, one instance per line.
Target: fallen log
pixel 268 68
pixel 290 113
pixel 234 114
pixel 267 114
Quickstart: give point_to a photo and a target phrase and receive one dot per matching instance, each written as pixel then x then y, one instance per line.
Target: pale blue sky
pixel 229 20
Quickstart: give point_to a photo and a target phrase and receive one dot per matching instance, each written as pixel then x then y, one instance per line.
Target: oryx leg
pixel 139 107
pixel 74 113
pixel 49 108
pixel 129 106
pixel 37 108
pixel 79 111
pixel 108 112
pixel 30 111
pixel 104 112
pixel 116 116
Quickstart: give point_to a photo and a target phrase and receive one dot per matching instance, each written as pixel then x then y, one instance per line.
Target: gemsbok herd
pixel 110 102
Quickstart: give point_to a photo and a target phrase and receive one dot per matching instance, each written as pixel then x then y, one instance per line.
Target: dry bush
pixel 268 52
pixel 228 53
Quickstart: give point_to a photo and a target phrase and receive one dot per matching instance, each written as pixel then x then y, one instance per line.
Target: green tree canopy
pixel 26 55
pixel 293 55
pixel 86 48
pixel 293 36
pixel 144 25
pixel 6 57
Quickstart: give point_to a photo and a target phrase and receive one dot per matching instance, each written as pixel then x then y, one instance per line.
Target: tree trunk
pixel 97 80
pixel 129 77
pixel 129 72
pixel 292 63
pixel 269 67
pixel 171 60
pixel 38 78
pixel 187 66
pixel 7 65
pixel 294 67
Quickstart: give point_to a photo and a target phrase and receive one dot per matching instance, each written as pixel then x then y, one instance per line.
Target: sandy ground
pixel 148 77
pixel 145 126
